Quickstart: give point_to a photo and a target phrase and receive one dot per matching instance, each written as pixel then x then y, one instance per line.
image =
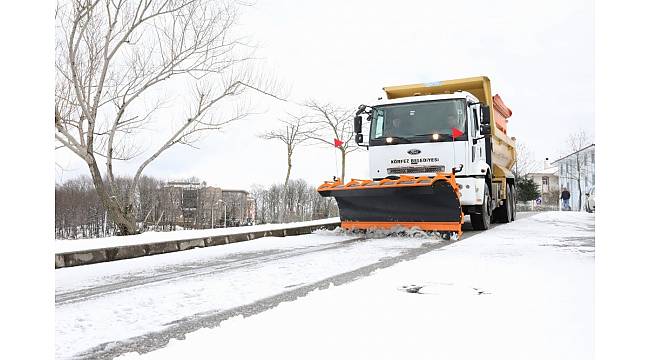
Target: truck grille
pixel 415 169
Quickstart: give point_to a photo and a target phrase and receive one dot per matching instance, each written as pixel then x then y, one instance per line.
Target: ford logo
pixel 414 151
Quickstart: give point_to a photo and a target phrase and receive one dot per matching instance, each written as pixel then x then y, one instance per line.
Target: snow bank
pixel 398 231
pixel 150 237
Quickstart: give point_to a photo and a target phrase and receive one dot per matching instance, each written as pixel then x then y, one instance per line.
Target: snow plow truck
pixel 437 151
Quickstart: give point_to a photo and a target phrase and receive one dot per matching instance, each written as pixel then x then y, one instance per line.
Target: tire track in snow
pixel 179 328
pixel 224 264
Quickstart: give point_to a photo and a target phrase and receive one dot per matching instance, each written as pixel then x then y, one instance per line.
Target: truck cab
pixel 424 135
pixel 425 129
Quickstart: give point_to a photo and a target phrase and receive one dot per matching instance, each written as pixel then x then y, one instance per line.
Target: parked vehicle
pixel 590 203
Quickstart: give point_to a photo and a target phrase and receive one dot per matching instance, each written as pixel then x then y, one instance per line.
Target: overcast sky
pixel 539 56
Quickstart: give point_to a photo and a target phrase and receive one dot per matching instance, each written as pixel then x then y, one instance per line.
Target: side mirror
pixel 357 124
pixel 358 138
pixel 485 129
pixel 485 114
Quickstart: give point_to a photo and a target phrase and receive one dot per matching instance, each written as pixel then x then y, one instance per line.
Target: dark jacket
pixel 566 195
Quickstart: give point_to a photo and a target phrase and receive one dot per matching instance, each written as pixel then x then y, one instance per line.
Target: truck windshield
pixel 418 121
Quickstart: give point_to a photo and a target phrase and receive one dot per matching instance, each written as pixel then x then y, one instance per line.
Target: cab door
pixel 477 147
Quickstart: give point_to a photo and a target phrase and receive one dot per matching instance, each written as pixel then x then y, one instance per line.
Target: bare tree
pixel 112 59
pixel 297 201
pixel 79 212
pixel 576 165
pixel 292 135
pixel 525 161
pixel 329 122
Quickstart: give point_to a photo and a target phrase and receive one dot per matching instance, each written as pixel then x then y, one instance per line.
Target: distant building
pixel 549 184
pixel 241 207
pixel 198 206
pixel 577 172
pixel 211 203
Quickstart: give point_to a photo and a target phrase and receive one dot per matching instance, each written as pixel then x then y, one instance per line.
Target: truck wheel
pixel 513 192
pixel 503 214
pixel 482 221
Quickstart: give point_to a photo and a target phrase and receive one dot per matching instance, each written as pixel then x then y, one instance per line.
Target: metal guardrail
pixel 86 257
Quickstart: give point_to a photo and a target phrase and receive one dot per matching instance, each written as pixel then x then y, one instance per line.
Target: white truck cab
pixel 423 135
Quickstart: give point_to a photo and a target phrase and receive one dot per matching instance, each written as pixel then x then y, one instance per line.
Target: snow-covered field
pixel 106 302
pixel 523 290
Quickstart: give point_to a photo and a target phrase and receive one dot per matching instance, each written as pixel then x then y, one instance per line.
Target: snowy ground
pixel 523 290
pixel 98 305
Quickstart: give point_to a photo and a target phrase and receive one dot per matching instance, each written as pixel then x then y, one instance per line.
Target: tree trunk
pixel 286 179
pixel 124 219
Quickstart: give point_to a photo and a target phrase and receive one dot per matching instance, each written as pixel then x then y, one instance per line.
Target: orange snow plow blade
pixel 430 204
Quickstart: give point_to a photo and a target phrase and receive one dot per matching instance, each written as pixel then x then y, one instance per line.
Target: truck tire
pixel 503 214
pixel 513 191
pixel 482 221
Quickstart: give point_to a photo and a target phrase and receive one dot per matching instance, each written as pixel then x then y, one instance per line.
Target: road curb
pixel 94 256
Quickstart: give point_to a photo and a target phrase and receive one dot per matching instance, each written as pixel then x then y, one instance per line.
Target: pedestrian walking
pixel 566 195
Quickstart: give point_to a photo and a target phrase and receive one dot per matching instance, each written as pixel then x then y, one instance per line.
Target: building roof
pixel 549 171
pixel 584 148
pixel 234 191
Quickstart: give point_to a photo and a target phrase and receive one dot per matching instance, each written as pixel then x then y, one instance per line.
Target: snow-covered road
pixel 523 290
pixel 152 299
